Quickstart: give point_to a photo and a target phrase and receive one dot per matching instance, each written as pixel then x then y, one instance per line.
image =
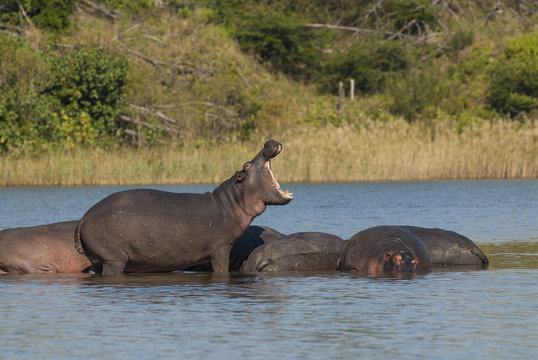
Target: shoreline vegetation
pixel 113 92
pixel 373 151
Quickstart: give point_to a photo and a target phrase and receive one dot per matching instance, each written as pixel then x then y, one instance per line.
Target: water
pixel 453 314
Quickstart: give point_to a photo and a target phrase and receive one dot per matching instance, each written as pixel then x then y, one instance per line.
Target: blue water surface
pixel 490 313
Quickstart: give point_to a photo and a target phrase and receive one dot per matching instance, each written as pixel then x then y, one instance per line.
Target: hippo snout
pixel 403 262
pixel 271 149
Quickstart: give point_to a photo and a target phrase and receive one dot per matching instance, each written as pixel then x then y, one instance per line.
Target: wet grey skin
pixel 304 251
pixel 41 249
pixel 384 250
pixel 448 248
pixel 147 230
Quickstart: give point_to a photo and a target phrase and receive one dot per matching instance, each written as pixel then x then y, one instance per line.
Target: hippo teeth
pixel 287 193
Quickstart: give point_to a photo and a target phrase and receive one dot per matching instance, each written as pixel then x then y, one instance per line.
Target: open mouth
pixel 286 194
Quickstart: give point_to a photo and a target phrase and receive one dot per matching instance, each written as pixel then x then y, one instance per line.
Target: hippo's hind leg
pixel 220 259
pixel 114 267
pixel 111 263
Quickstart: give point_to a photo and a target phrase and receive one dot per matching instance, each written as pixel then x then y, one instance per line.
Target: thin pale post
pixel 352 89
pixel 341 96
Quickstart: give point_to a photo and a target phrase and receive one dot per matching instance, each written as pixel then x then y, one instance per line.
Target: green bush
pixel 417 91
pixel 23 75
pixel 278 40
pixel 89 81
pixel 49 14
pixel 368 63
pixel 513 88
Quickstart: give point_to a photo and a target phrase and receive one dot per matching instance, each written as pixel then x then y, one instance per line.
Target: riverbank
pixel 369 151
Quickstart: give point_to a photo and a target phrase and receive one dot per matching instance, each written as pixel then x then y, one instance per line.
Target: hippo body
pixel 449 248
pixel 41 249
pixel 305 251
pixel 147 230
pixel 384 250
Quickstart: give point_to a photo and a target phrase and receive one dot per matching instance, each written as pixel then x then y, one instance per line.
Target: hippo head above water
pixel 257 183
pixel 397 262
pixel 385 250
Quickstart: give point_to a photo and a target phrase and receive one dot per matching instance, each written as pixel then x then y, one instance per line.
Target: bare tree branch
pixel 101 10
pixel 12 30
pixel 21 9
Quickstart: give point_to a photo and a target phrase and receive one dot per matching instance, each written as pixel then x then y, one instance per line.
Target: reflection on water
pixel 480 314
pixel 455 313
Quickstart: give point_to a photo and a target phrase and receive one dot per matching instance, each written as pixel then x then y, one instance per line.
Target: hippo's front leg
pixel 220 259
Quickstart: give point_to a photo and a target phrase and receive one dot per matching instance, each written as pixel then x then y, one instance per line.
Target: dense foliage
pixel 514 85
pixel 106 72
pixel 88 82
pixel 49 14
pixel 48 99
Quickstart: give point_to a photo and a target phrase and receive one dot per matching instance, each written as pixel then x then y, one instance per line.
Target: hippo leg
pixel 114 267
pixel 220 259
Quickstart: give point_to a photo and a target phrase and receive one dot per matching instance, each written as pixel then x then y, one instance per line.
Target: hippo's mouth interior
pixel 285 194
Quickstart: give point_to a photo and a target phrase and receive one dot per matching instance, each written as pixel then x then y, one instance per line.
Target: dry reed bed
pixel 370 152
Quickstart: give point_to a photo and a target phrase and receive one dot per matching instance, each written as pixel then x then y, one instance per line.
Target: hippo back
pixel 305 251
pixel 450 248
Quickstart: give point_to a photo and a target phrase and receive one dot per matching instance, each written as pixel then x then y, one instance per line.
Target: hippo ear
pixel 387 255
pixel 247 166
pixel 240 176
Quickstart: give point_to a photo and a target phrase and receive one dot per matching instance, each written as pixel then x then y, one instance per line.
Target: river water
pixel 446 313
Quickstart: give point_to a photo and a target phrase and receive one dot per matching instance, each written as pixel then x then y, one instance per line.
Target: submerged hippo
pixel 384 249
pixel 157 231
pixel 41 249
pixel 450 248
pixel 305 251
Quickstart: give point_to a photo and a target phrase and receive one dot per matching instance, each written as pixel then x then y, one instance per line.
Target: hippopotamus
pixel 144 230
pixel 41 249
pixel 449 248
pixel 384 250
pixel 254 237
pixel 304 251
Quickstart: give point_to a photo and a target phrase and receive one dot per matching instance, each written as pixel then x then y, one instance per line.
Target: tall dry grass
pixel 372 151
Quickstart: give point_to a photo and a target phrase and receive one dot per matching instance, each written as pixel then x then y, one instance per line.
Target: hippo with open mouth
pixel 147 230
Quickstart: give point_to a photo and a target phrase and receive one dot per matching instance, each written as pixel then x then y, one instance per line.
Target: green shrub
pixel 23 75
pixel 368 63
pixel 89 81
pixel 417 91
pixel 278 40
pixel 49 14
pixel 513 88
